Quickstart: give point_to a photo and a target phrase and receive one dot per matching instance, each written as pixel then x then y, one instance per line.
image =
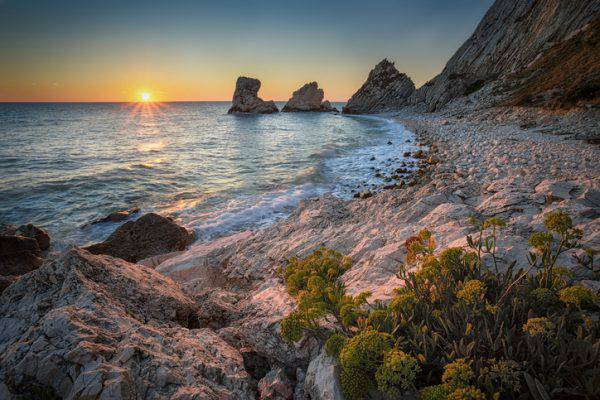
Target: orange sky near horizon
pixel 186 50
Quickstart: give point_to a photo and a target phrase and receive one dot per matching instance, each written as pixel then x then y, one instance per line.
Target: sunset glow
pixel 145 96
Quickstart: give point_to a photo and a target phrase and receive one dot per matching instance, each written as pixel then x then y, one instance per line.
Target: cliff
pixel 511 36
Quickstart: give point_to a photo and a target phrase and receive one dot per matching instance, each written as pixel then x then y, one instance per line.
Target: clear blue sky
pixel 193 50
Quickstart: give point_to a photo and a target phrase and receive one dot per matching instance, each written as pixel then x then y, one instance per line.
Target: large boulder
pixel 246 100
pixel 386 89
pixel 148 236
pixel 19 255
pixel 308 98
pixel 321 382
pixel 95 327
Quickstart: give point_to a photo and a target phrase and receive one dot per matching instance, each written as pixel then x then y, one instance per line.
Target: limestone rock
pixel 276 386
pixel 149 236
pixel 321 381
pixel 246 100
pixel 19 255
pixel 308 98
pixel 86 326
pixel 386 89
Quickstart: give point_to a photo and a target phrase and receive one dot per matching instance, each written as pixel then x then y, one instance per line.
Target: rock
pixel 386 89
pixel 29 231
pixel 246 100
pixel 116 216
pixel 149 236
pixel 321 381
pixel 276 386
pixel 308 98
pixel 19 255
pixel 87 326
pixel 6 281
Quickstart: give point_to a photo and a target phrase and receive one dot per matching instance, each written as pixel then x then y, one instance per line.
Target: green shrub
pixel 397 373
pixel 464 319
pixel 466 393
pixel 457 374
pixel 436 392
pixel 334 344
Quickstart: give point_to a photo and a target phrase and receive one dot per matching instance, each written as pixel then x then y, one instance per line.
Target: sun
pixel 145 96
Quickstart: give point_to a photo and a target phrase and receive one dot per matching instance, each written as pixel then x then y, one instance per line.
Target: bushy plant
pixel 397 373
pixel 469 324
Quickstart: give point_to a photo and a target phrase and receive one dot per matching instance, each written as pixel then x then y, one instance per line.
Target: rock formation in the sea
pixel 386 89
pixel 518 41
pixel 308 98
pixel 95 327
pixel 148 236
pixel 246 100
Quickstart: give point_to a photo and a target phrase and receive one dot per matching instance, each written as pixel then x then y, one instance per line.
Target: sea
pixel 63 165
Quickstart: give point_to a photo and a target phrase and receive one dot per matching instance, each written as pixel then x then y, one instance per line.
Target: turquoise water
pixel 62 165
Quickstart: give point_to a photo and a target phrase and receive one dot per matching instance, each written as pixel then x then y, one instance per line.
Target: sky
pixel 186 50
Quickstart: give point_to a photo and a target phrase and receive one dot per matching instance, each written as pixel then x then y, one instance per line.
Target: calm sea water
pixel 62 165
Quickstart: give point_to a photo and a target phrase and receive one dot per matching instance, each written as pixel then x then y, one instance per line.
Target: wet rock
pixel 19 255
pixel 308 98
pixel 385 89
pixel 116 216
pixel 246 100
pixel 148 236
pixel 276 386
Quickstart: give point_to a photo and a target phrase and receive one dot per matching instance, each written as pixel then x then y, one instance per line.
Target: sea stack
pixel 386 89
pixel 246 100
pixel 308 98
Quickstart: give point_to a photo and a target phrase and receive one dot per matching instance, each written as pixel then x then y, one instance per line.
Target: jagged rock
pixel 321 381
pixel 308 98
pixel 116 216
pixel 511 36
pixel 86 326
pixel 29 231
pixel 386 89
pixel 148 236
pixel 276 386
pixel 19 255
pixel 246 100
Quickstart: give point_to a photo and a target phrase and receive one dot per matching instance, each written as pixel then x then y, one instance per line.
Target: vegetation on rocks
pixel 465 324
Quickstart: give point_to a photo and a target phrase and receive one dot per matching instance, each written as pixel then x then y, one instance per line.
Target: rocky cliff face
pixel 386 89
pixel 246 100
pixel 308 98
pixel 512 35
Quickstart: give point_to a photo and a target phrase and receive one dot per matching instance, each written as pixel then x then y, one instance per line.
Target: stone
pixel 276 386
pixel 6 281
pixel 115 216
pixel 386 89
pixel 321 382
pixel 89 326
pixel 246 100
pixel 34 232
pixel 308 98
pixel 148 236
pixel 19 255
